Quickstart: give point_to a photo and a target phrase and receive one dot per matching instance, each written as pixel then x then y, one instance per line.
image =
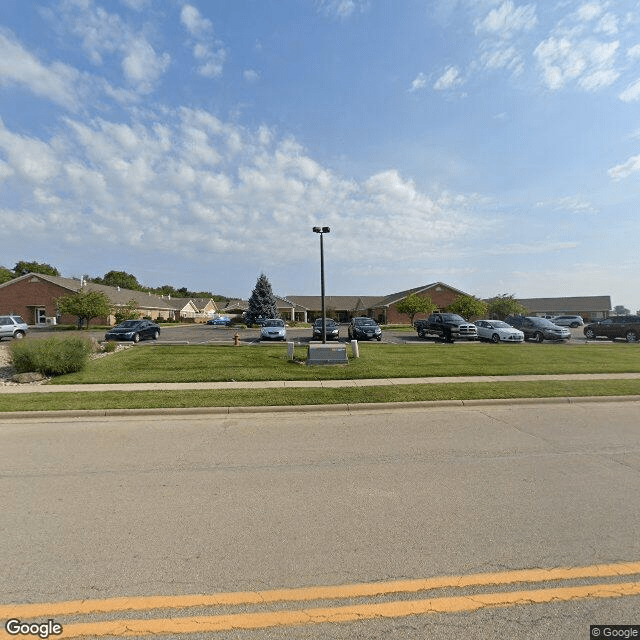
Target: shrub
pixel 51 356
pixel 109 346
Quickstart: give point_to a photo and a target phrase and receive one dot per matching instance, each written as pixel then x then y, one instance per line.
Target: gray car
pixel 568 321
pixel 12 327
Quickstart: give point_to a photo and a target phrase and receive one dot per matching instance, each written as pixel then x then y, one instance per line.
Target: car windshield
pixel 327 322
pixel 274 323
pixel 364 321
pixel 452 317
pixel 543 322
pixel 128 324
pixel 498 324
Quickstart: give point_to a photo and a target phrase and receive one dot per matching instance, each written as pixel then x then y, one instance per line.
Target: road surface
pixel 249 505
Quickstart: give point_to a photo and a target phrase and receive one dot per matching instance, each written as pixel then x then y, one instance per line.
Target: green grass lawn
pixel 212 363
pixel 288 397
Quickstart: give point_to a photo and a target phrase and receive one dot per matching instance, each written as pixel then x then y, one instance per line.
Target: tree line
pixel 114 278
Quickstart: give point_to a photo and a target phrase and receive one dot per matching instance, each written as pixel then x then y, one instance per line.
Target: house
pixel 381 308
pixel 342 308
pixel 194 309
pixel 589 307
pixel 34 296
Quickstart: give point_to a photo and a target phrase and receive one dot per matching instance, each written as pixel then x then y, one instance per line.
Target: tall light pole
pixel 322 231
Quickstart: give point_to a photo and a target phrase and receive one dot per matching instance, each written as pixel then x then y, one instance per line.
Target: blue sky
pixel 492 145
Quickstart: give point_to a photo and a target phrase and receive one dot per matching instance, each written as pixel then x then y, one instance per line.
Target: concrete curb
pixel 346 408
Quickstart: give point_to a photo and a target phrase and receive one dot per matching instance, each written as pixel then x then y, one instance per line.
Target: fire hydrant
pixel 236 340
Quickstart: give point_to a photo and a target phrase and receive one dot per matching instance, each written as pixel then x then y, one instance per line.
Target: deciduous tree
pixel 468 307
pixel 85 305
pixel 23 267
pixel 414 304
pixel 505 305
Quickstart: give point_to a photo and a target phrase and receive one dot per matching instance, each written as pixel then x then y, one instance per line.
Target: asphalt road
pixel 98 508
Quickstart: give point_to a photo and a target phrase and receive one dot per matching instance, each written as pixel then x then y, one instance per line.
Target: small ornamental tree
pixel 262 303
pixel 468 307
pixel 86 305
pixel 128 312
pixel 505 305
pixel 5 275
pixel 414 304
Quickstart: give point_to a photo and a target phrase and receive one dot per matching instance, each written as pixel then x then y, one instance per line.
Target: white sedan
pixel 273 330
pixel 498 331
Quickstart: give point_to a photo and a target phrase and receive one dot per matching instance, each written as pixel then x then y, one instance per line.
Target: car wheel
pixel 495 338
pixel 631 336
pixel 538 337
pixel 156 334
pixel 590 334
pixel 19 335
pixel 574 325
pixel 379 339
pixel 136 337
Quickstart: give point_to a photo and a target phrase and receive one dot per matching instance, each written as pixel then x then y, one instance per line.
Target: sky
pixel 493 145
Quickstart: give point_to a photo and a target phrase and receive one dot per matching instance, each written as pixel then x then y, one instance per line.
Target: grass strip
pixel 213 363
pixel 286 397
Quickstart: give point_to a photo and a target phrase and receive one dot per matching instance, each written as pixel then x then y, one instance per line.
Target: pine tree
pixel 262 303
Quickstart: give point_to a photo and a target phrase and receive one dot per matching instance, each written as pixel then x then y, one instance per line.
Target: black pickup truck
pixel 446 326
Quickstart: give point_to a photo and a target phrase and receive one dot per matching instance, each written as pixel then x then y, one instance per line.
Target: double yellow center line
pixel 331 614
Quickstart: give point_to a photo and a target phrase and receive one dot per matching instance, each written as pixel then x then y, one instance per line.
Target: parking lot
pixel 207 334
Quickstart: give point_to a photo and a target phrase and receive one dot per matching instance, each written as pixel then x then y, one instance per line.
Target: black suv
pixel 538 329
pixel 364 329
pixel 627 327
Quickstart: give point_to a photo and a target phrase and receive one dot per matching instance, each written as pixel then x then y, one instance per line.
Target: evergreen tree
pixel 262 303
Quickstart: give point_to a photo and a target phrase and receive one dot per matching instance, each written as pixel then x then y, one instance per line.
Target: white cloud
pixel 105 34
pixel 342 9
pixel 209 53
pixel 194 22
pixel 56 82
pixel 633 53
pixel 187 181
pixel 590 63
pixel 419 82
pixel 631 93
pixel 449 79
pixel 250 75
pixel 590 11
pixel 508 19
pixel 632 165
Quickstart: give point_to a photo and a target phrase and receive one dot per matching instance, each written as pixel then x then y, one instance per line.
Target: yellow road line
pixel 143 603
pixel 303 617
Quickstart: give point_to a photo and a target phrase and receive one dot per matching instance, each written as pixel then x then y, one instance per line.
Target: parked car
pixel 539 329
pixel 446 326
pixel 627 327
pixel 220 321
pixel 273 329
pixel 134 330
pixel 498 331
pixel 332 329
pixel 12 327
pixel 568 321
pixel 361 328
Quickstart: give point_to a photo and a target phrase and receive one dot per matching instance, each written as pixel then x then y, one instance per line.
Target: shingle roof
pixel 116 295
pixel 339 303
pixel 401 295
pixel 567 305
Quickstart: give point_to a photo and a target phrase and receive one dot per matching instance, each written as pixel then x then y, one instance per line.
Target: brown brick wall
pixel 23 296
pixel 441 298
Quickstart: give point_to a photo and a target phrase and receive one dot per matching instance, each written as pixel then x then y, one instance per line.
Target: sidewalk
pixel 290 384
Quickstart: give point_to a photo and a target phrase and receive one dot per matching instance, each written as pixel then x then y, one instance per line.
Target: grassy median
pixel 157 363
pixel 287 397
pixel 214 363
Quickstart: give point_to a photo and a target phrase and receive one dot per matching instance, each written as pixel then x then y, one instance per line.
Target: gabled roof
pixel 198 304
pixel 338 303
pixel 116 295
pixel 567 305
pixel 401 295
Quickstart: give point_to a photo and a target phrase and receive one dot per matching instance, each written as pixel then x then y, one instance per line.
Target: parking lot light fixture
pixel 322 231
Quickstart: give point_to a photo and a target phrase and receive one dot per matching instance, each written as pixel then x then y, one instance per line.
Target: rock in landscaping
pixel 25 378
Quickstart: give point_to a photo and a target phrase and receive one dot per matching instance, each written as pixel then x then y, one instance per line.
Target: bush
pixel 109 346
pixel 51 356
